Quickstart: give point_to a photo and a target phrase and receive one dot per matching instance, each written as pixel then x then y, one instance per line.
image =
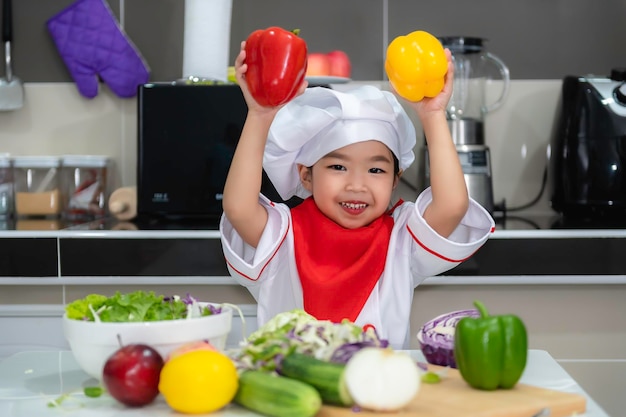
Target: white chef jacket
pixel 415 252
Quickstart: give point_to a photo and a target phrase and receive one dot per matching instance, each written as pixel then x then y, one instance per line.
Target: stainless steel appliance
pixel 466 112
pixel 187 135
pixel 588 147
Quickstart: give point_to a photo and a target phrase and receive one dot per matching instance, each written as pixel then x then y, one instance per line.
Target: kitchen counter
pixel 516 221
pixel 28 380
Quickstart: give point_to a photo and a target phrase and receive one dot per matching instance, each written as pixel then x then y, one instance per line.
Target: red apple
pixel 318 65
pixel 339 64
pixel 131 374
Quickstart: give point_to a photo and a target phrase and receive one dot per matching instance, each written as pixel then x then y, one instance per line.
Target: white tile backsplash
pixel 57 120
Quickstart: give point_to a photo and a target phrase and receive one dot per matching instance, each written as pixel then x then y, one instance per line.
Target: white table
pixel 28 380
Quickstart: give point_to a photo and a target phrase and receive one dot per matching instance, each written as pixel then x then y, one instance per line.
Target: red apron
pixel 338 267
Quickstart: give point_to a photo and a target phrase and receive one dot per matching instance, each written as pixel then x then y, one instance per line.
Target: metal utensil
pixel 11 88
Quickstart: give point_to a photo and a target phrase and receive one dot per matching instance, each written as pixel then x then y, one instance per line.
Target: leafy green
pixel 297 331
pixel 430 378
pixel 79 309
pixel 93 392
pixel 138 306
pixel 57 401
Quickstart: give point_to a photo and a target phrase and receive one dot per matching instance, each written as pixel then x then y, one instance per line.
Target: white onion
pixel 382 379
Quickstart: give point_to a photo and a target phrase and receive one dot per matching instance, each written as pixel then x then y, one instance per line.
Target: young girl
pixel 342 253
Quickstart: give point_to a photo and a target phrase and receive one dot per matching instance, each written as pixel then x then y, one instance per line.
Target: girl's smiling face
pixel 352 185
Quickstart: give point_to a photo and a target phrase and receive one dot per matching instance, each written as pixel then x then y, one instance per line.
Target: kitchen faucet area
pixel 537 116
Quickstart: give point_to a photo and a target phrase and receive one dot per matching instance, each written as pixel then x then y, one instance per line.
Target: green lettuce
pixel 135 306
pixel 79 309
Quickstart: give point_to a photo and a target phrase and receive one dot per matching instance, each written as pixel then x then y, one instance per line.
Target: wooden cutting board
pixel 452 397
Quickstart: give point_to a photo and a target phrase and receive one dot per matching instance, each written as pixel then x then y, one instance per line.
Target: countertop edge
pixel 215 234
pixel 527 280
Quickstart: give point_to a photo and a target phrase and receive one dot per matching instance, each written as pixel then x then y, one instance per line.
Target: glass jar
pixel 6 186
pixel 38 224
pixel 36 184
pixel 84 181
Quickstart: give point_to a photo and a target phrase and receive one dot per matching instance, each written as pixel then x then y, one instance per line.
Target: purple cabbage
pixel 344 352
pixel 436 337
pixel 208 310
pixel 212 309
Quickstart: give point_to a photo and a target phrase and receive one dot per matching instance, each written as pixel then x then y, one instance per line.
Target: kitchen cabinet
pixel 575 37
pixel 539 250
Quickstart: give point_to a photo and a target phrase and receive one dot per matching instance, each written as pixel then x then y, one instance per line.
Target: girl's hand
pixel 240 74
pixel 440 102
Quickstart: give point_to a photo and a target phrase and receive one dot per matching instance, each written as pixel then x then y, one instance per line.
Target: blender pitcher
pixel 467 107
pixel 466 112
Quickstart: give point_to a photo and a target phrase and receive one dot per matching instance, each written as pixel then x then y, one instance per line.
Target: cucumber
pixel 277 396
pixel 326 377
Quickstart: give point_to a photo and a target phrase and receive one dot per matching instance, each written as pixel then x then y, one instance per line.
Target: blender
pixel 467 110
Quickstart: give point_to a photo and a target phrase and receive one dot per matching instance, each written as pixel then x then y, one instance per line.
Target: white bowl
pixel 92 343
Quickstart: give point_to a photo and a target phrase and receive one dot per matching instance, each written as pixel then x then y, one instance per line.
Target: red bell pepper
pixel 277 62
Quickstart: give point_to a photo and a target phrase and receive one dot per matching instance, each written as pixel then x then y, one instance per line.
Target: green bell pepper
pixel 490 351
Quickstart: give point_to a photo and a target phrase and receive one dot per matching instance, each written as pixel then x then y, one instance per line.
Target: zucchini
pixel 277 396
pixel 326 377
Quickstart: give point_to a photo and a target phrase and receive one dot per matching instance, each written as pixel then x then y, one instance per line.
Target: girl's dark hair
pixel 396 164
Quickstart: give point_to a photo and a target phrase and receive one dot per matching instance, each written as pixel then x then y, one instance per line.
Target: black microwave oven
pixel 187 134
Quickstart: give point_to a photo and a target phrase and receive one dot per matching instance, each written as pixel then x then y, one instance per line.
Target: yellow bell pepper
pixel 416 65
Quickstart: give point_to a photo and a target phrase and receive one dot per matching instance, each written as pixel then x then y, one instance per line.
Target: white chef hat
pixel 322 120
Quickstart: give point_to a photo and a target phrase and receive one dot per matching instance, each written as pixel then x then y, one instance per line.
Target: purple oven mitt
pixel 91 43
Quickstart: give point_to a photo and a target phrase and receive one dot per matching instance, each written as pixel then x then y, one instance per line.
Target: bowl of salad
pixel 96 326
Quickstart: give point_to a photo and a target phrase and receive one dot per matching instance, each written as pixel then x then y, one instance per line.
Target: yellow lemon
pixel 199 381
